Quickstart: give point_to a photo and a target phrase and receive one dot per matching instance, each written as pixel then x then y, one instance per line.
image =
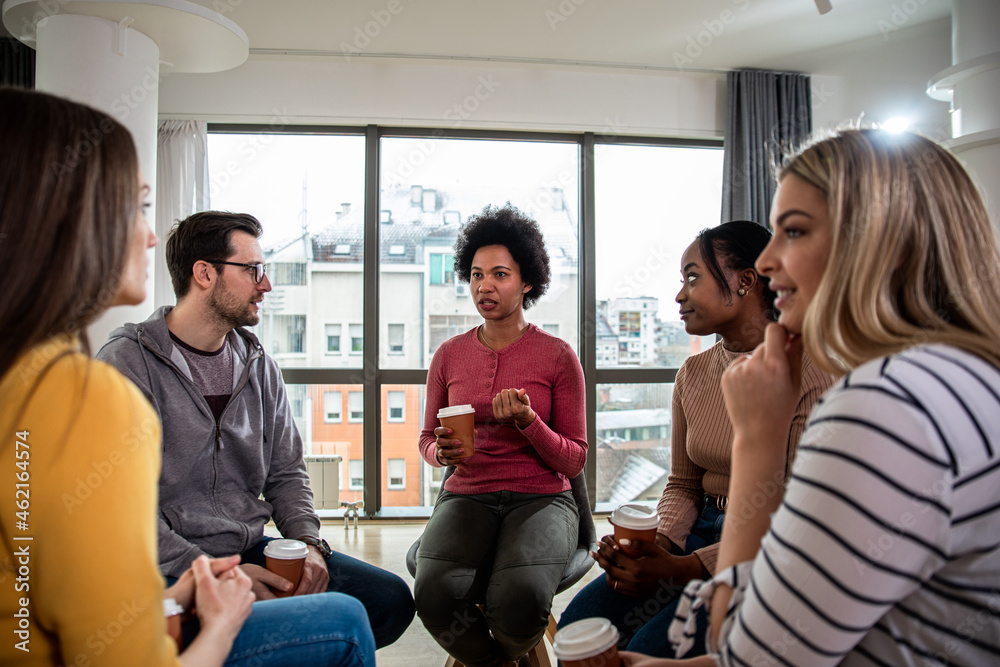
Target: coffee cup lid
pixel 584 639
pixel 286 549
pixel 455 410
pixel 635 516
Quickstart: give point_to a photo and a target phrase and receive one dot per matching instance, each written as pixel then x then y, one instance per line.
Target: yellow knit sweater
pixel 79 582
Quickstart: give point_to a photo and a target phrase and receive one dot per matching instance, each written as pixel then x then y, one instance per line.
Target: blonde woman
pixel 886 547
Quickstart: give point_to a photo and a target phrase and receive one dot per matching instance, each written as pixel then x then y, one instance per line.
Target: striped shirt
pixel 885 548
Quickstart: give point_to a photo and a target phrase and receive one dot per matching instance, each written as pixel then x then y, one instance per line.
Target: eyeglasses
pixel 258 269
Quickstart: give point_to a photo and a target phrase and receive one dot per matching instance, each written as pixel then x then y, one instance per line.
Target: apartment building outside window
pixel 317 322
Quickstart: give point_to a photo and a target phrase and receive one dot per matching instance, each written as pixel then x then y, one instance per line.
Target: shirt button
pixel 491 374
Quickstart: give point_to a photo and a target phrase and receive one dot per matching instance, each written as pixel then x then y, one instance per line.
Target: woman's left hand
pixel 762 391
pixel 651 567
pixel 514 404
pixel 183 590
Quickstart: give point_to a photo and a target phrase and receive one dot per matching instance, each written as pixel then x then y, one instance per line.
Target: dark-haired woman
pixel 80 454
pixel 505 523
pixel 721 294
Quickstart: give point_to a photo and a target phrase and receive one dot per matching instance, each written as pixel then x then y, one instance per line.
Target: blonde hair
pixel 914 256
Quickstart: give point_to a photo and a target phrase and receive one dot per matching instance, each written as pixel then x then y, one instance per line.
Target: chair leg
pixel 539 656
pixel 451 662
pixel 550 632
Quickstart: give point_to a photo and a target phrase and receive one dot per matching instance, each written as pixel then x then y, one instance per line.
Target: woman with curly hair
pixel 505 523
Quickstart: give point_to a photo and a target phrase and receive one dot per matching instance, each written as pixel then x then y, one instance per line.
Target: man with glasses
pixel 228 434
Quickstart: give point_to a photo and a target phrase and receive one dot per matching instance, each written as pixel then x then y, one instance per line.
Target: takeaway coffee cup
pixel 461 419
pixel 285 558
pixel 635 522
pixel 592 642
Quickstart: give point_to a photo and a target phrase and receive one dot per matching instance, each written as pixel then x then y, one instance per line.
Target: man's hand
pixel 315 575
pixel 262 578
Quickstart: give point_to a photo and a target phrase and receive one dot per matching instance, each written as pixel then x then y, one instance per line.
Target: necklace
pixel 486 340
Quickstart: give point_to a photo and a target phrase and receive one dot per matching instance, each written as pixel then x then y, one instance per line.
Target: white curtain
pixel 181 187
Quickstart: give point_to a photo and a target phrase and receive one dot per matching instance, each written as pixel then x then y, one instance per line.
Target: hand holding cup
pixel 456 436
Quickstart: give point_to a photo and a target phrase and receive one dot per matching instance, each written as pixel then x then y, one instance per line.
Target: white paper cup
pixel 461 419
pixel 592 642
pixel 635 522
pixel 286 558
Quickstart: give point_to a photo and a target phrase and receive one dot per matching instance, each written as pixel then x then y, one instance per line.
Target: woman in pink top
pixel 505 523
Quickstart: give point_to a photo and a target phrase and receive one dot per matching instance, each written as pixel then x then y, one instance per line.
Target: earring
pixel 741 291
pixel 524 291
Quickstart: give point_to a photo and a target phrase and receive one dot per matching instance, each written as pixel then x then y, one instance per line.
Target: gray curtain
pixel 17 63
pixel 769 114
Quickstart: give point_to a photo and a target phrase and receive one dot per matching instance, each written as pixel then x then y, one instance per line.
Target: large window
pixel 433 186
pixel 663 195
pixel 359 233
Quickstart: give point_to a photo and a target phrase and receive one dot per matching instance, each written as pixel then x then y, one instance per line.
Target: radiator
pixel 324 478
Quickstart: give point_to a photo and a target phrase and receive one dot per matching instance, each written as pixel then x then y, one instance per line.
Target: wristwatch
pixel 319 543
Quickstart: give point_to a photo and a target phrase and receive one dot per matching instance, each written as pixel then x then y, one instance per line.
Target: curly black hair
pixel 509 227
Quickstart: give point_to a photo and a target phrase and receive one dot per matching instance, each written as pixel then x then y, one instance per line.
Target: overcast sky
pixel 651 201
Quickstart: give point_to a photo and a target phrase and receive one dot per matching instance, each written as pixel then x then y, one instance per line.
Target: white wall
pixel 880 76
pixel 451 94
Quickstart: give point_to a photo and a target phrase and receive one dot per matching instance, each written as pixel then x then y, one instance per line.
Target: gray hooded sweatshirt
pixel 214 475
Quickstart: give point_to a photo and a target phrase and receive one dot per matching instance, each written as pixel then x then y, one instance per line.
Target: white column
pixel 113 68
pixel 972 84
pixel 107 54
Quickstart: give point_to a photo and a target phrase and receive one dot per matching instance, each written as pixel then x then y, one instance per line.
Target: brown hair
pixel 68 202
pixel 204 236
pixel 914 256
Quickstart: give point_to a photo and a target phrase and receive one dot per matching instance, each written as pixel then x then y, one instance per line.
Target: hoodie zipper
pixel 217 444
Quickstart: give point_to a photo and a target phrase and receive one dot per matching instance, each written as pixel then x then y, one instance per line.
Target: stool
pixel 352 511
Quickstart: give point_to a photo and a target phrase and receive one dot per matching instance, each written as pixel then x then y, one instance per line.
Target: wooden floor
pixel 385 544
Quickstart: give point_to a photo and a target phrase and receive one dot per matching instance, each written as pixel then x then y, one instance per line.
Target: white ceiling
pixel 691 34
pixel 672 34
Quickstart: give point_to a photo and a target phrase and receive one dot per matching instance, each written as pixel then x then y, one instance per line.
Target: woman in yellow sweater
pixel 79 454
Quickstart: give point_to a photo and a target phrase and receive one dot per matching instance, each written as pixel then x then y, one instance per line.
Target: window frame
pixel 375 377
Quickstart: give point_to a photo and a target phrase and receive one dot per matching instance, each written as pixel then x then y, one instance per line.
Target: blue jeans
pixel 386 597
pixel 505 549
pixel 643 621
pixel 326 629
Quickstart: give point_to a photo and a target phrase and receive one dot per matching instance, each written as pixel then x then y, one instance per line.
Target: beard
pixel 231 309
